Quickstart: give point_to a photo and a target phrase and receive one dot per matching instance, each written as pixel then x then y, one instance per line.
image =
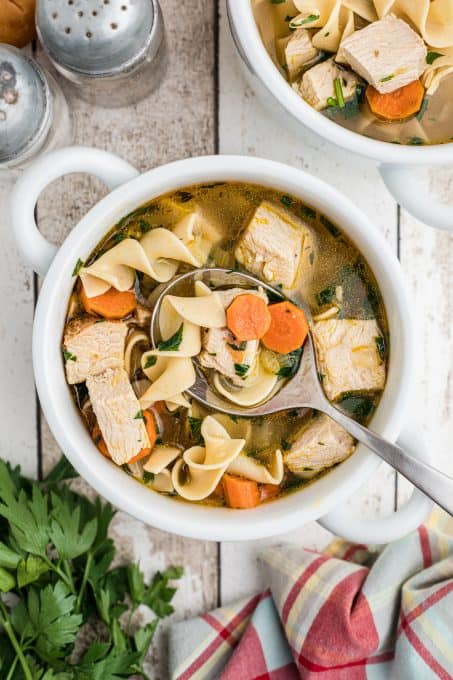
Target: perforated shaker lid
pixel 25 104
pixel 95 37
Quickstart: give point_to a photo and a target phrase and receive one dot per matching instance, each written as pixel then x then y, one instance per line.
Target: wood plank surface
pixel 176 121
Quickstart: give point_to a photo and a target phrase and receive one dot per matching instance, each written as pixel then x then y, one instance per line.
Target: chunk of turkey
pixel 118 413
pixel 319 444
pixel 217 352
pixel 274 243
pixel 348 357
pixel 299 51
pixel 93 346
pixel 317 84
pixel 388 53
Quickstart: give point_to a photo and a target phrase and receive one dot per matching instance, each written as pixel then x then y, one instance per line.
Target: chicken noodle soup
pixel 133 397
pixel 383 69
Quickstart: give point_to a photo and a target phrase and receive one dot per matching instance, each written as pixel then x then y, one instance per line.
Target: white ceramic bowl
pixel 398 163
pixel 131 191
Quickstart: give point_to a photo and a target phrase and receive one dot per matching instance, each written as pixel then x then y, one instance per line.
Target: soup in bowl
pixel 374 78
pixel 119 408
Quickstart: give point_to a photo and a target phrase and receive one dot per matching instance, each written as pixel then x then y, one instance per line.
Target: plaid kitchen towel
pixel 346 614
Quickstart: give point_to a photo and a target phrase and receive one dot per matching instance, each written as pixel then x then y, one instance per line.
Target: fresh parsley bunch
pixel 57 586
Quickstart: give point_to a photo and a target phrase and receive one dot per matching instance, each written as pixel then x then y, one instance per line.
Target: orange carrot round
pixel 288 328
pixel 248 317
pixel 396 105
pixel 113 304
pixel 150 425
pixel 240 493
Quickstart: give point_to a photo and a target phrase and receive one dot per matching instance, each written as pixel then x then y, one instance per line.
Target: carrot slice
pixel 288 328
pixel 268 491
pixel 240 493
pixel 248 317
pixel 396 105
pixel 150 424
pixel 96 436
pixel 113 304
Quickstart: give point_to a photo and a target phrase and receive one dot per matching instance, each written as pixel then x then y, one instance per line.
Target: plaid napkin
pixel 346 614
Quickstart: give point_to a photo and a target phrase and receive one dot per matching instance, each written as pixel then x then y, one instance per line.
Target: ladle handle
pixel 434 483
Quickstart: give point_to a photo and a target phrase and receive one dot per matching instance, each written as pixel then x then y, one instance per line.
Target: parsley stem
pixel 5 620
pixel 64 577
pixel 84 581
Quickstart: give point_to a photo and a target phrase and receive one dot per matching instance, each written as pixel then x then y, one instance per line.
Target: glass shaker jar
pixel 112 51
pixel 34 116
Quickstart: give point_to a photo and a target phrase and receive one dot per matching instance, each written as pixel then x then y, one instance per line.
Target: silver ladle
pixel 302 391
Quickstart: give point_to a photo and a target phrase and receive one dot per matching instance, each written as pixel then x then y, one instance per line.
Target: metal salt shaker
pixel 34 117
pixel 112 51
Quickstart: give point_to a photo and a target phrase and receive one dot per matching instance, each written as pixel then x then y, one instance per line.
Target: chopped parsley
pixel 286 445
pixel 305 211
pixel 78 266
pixel 415 141
pixel 241 370
pixel 277 2
pixel 173 343
pixel 195 429
pixel 380 346
pixel 144 226
pixel 326 295
pixel 351 107
pixel 148 477
pixel 286 200
pixel 69 356
pixel 423 108
pixel 329 226
pixel 139 415
pixel 150 361
pixel 238 348
pixel 118 237
pixel 385 79
pixel 297 22
pixel 338 87
pixel 432 56
pixel 358 406
pixel 289 368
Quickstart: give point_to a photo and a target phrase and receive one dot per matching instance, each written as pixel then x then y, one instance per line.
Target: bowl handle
pixel 410 191
pixel 111 169
pixel 343 521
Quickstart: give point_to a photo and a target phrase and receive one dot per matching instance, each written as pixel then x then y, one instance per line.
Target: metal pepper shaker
pixel 34 117
pixel 112 51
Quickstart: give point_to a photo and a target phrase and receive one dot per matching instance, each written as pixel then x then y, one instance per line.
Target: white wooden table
pixel 203 107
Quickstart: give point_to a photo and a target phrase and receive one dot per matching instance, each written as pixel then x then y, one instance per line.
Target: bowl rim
pixel 252 51
pixel 200 521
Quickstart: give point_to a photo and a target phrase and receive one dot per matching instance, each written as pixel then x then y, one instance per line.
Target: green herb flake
pixel 297 22
pixel 325 296
pixel 338 87
pixel 241 370
pixel 118 237
pixel 288 18
pixel 286 445
pixel 150 361
pixel 351 107
pixel 329 226
pixel 139 415
pixel 432 56
pixel 415 141
pixel 358 406
pixel 195 429
pixel 286 200
pixel 423 108
pixel 238 348
pixel 387 78
pixel 69 356
pixel 289 368
pixel 144 226
pixel 173 343
pixel 148 477
pixel 332 102
pixel 380 346
pixel 78 266
pixel 277 2
pixel 184 196
pixel 307 212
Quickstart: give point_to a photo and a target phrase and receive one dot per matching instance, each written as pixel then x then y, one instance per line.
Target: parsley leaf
pixel 150 361
pixel 241 370
pixel 69 356
pixel 77 267
pixel 173 343
pixel 432 56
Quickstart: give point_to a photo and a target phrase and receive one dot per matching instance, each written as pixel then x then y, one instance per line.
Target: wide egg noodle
pixel 433 19
pixel 335 20
pixel 133 339
pixel 206 464
pixel 198 234
pixel 438 70
pixel 161 457
pixel 249 467
pixel 256 387
pixel 169 378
